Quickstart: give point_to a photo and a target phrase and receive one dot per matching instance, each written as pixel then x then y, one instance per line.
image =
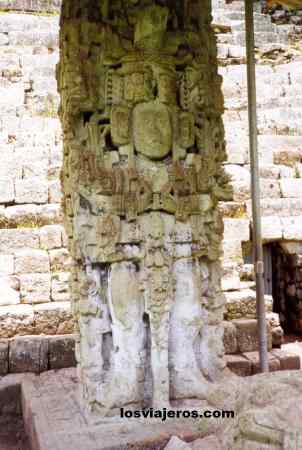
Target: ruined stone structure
pixel 142 176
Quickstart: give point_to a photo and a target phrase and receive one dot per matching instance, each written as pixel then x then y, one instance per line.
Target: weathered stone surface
pixel 7 266
pixel 16 239
pixel 239 365
pixel 51 237
pixel 247 335
pixel 253 357
pixel 53 318
pixel 28 354
pixel 42 6
pixel 232 250
pixel 288 360
pixel 208 443
pixel 230 280
pixel 35 288
pixel 15 320
pixel 292 228
pixel 31 190
pixel 9 291
pixel 271 228
pixel 128 210
pixel 291 187
pixel 62 352
pixel 60 260
pixel 3 357
pixel 242 304
pixel 55 192
pixel 7 191
pixel 230 338
pixel 176 444
pixel 31 261
pixel 60 286
pixel 236 229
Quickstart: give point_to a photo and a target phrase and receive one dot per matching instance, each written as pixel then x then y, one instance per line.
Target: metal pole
pixel 257 239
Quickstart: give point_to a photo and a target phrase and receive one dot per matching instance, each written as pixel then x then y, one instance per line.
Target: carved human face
pixel 152 130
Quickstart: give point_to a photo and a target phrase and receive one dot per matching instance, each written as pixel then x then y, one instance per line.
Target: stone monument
pixel 141 108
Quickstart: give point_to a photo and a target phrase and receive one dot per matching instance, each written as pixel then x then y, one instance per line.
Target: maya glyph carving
pixel 141 109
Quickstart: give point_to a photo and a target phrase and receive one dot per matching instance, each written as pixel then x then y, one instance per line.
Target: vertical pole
pixel 253 140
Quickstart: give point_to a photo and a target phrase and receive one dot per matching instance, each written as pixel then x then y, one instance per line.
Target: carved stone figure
pixel 141 108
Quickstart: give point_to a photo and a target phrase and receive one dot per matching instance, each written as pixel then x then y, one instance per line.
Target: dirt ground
pixel 12 434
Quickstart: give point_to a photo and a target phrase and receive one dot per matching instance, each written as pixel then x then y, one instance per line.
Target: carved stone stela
pixel 141 108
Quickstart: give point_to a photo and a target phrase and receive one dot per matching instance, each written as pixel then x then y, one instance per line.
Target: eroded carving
pixel 142 177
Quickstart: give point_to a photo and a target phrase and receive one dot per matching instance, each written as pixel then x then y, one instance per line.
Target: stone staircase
pixel 231 43
pixel 34 262
pixel 279 99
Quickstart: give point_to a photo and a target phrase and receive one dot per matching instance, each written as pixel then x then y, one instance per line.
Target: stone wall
pixel 34 263
pixel 30 217
pixel 280 146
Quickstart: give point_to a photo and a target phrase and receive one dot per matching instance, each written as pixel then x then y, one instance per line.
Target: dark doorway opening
pixel 287 289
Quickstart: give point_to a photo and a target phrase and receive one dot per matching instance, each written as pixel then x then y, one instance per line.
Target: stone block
pixel 7 191
pixel 247 335
pixel 288 360
pixel 62 352
pixel 17 319
pixel 292 228
pixel 236 229
pixel 270 188
pixel 55 192
pixel 271 228
pixel 242 304
pixel 238 364
pixel 253 357
pixel 7 266
pixel 60 260
pixel 28 354
pixel 53 318
pixel 230 280
pixel 60 287
pixel 15 239
pixel 3 357
pixel 33 167
pixel 9 168
pixel 229 338
pixel 32 190
pixel 51 237
pixel 291 188
pixel 232 250
pixel 9 291
pixel 35 288
pixel 31 261
pixel 30 215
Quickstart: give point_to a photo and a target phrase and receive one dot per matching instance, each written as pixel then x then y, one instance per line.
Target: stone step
pixel 241 336
pixel 36 354
pixel 247 364
pixel 280 121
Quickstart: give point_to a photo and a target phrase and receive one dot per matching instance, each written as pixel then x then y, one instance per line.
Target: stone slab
pixel 54 421
pixel 61 352
pixel 247 335
pixel 253 357
pixel 238 364
pixel 28 354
